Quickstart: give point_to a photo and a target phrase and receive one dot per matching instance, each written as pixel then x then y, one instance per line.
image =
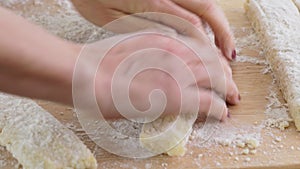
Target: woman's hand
pixel 102 12
pixel 212 74
pixel 39 65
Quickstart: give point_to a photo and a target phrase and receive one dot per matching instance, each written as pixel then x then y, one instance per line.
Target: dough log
pixel 37 140
pixel 277 22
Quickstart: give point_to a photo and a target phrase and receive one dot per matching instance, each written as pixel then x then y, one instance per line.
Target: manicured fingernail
pixel 217 42
pixel 233 55
pixel 240 98
pixel 228 114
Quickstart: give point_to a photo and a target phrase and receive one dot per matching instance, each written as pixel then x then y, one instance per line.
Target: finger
pixel 214 16
pixel 169 7
pixel 221 82
pixel 168 13
pixel 146 9
pixel 94 11
pixel 232 92
pixel 232 96
pixel 212 106
pixel 211 71
pixel 161 6
pixel 135 23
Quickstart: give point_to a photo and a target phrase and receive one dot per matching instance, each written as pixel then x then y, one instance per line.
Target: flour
pixel 61 19
pixel 230 133
pixel 245 139
pixel 276 111
pixel 12 3
pixel 249 40
pixel 35 138
pixel 276 24
pixel 250 59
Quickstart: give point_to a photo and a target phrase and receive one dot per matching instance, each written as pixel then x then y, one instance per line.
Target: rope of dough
pixel 37 140
pixel 278 23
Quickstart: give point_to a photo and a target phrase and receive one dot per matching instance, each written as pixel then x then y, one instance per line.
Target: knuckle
pixel 158 4
pixel 208 5
pixel 194 19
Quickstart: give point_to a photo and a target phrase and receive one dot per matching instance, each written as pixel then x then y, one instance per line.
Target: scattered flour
pixel 250 59
pixel 276 111
pixel 60 18
pixel 249 41
pixel 12 3
pixel 240 136
pixel 228 134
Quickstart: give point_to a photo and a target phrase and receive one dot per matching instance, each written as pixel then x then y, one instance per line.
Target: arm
pixel 34 63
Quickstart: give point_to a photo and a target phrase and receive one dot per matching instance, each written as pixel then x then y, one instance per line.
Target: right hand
pixel 210 71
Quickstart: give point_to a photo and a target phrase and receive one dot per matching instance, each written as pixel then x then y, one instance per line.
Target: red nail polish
pixel 217 42
pixel 228 114
pixel 233 55
pixel 240 98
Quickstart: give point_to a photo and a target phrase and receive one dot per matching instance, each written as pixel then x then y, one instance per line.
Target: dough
pixel 170 134
pixel 278 23
pixel 171 137
pixel 37 140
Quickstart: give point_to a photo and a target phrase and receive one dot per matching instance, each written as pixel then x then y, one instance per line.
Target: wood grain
pixel 253 86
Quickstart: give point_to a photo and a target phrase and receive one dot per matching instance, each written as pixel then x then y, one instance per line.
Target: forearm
pixel 34 63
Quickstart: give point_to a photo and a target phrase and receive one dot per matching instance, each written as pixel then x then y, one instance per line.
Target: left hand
pixel 102 12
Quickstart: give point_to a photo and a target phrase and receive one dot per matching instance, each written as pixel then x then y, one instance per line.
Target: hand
pixel 102 12
pixel 210 71
pixel 46 71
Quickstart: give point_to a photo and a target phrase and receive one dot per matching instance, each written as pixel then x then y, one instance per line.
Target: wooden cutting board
pixel 253 86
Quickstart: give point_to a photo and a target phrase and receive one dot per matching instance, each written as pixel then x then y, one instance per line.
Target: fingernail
pixel 233 55
pixel 240 98
pixel 228 114
pixel 216 42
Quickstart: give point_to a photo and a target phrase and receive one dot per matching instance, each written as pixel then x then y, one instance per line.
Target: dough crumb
pixel 252 143
pixel 200 155
pixel 240 144
pixel 278 139
pixel 247 159
pixel 164 164
pixel 253 151
pixel 245 151
pixel 236 159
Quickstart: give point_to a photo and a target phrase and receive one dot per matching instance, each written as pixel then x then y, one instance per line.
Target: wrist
pixel 62 80
pixel 34 63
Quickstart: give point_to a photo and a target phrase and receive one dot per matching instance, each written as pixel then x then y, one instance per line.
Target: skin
pixel 101 12
pixel 40 65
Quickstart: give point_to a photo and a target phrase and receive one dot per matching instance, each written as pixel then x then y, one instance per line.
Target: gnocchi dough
pixel 168 134
pixel 37 140
pixel 278 23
